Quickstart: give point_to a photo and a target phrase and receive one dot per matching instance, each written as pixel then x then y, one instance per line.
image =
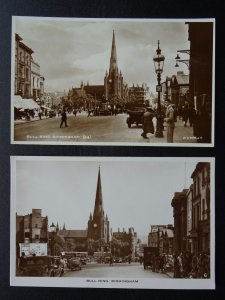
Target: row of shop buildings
pixel 191 211
pixel 28 81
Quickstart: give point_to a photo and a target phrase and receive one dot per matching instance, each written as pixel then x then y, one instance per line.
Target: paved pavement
pixel 22 121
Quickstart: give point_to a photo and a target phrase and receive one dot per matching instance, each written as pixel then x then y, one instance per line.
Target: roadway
pixel 117 270
pixel 82 129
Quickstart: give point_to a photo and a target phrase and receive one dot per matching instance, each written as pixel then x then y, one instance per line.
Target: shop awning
pixel 19 103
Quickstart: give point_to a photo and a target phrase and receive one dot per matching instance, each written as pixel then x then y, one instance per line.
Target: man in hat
pixel 63 119
pixel 148 126
pixel 169 119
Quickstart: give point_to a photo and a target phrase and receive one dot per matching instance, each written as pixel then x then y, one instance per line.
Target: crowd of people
pixel 187 265
pixel 182 265
pixel 168 116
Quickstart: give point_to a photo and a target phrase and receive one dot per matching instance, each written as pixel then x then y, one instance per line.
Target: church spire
pixel 98 210
pixel 113 58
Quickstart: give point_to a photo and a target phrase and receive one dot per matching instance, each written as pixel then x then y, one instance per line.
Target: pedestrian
pixel 176 266
pixel 111 260
pixel 63 119
pixel 28 116
pixel 75 112
pixel 192 115
pixel 148 126
pixel 169 119
pixel 39 114
pixel 185 113
pixel 89 112
pixel 202 126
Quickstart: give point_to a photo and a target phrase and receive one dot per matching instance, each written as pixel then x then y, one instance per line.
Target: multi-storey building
pixel 200 233
pixel 179 203
pixel 161 238
pixel 191 211
pixel 129 239
pixel 176 88
pixel 35 79
pixel 139 93
pixel 201 76
pixel 23 57
pixel 31 228
pixel 28 82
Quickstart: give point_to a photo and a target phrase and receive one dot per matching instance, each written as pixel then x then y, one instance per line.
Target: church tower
pixel 113 81
pixel 98 224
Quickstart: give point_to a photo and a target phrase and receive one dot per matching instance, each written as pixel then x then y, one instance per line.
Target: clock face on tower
pixel 95 225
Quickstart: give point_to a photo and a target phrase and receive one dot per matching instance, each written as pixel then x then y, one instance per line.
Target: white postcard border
pixel 131 283
pixel 213 20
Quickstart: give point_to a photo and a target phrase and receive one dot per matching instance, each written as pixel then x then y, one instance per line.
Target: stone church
pixel 113 81
pixel 98 223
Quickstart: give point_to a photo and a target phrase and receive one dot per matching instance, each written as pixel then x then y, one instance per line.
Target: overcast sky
pixel 69 51
pixel 136 192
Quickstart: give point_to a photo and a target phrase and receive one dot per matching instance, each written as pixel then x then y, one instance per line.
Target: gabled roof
pixel 182 79
pixel 73 233
pixel 79 92
pixel 94 90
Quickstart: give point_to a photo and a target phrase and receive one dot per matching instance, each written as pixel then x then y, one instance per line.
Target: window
pixel 36 236
pixel 27 74
pixel 204 210
pixel 27 234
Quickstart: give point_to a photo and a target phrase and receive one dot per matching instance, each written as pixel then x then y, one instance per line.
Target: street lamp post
pixel 159 63
pixel 53 231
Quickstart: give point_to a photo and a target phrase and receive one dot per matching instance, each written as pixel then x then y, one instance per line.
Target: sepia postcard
pixel 87 81
pixel 100 222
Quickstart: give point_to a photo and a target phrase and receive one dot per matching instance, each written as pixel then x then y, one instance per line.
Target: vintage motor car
pixel 135 116
pixel 51 113
pixel 40 266
pixel 74 263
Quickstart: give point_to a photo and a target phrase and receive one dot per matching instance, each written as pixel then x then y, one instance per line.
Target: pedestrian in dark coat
pixel 63 119
pixel 148 126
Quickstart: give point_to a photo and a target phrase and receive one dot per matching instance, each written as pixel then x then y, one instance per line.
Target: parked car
pixel 83 261
pixel 51 113
pixel 105 112
pixel 74 263
pixel 135 116
pixel 39 266
pixel 57 268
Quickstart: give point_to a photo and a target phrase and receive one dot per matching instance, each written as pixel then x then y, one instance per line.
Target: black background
pixel 109 9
